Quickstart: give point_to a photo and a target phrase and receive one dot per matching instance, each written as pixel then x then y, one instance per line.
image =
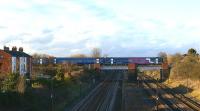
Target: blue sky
pixel 118 27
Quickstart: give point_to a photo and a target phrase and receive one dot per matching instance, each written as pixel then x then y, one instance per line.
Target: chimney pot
pixel 21 49
pixel 14 48
pixel 6 48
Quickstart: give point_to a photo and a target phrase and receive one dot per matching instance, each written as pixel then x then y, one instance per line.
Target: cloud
pixel 119 28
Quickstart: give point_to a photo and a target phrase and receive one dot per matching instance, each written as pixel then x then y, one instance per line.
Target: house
pixel 15 61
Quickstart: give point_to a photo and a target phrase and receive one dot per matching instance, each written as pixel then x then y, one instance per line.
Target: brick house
pixel 12 61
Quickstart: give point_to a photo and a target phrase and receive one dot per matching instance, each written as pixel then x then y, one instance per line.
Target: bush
pixel 187 66
pixel 9 84
pixel 59 73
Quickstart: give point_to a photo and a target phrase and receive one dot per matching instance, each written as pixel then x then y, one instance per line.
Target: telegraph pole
pixel 52 96
pixel 157 96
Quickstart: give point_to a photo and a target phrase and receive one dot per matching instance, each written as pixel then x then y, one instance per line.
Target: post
pixel 168 80
pixel 123 92
pixel 80 89
pixel 52 94
pixel 199 82
pixel 28 83
pixel 93 81
pixel 157 97
pixel 162 75
pixel 187 82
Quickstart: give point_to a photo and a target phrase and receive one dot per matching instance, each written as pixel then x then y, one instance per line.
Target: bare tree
pixel 96 52
pixel 174 58
pixel 192 51
pixel 163 55
pixel 79 55
pixel 38 55
pixel 105 55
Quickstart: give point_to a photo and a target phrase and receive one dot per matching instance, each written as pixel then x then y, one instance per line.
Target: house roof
pixel 17 53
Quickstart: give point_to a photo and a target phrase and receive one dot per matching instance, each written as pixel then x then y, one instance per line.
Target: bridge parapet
pixel 165 66
pixel 131 66
pixel 97 66
pixel 164 72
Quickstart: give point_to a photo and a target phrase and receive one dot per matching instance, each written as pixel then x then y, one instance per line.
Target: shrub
pixel 59 73
pixel 10 82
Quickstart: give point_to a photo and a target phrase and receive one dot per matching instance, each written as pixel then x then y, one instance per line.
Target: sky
pixel 117 27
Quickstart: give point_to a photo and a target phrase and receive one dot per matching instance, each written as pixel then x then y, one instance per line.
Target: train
pixel 101 60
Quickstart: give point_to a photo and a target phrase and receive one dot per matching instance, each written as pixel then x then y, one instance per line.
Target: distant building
pixel 15 61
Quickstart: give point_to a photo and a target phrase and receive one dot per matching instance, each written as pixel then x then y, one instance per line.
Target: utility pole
pixel 187 81
pixel 80 89
pixel 157 96
pixel 199 82
pixel 52 96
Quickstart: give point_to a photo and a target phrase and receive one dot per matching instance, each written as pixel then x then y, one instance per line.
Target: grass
pixel 176 82
pixel 193 84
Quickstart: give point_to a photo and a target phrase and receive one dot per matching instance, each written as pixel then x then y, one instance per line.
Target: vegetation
pixel 79 55
pixel 182 66
pixel 37 96
pixel 163 55
pixel 186 66
pixel 96 52
pixel 59 73
pixel 68 89
pixel 10 82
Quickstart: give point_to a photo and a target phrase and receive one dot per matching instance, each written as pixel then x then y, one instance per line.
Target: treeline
pixel 183 66
pixel 49 68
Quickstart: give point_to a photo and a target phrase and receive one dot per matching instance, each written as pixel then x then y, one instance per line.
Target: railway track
pixel 102 97
pixel 169 99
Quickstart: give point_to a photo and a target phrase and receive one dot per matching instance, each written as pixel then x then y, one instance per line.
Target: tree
pixel 21 84
pixel 59 73
pixel 79 55
pixel 174 58
pixel 105 55
pixel 37 55
pixel 96 52
pixel 163 55
pixel 192 51
pixel 10 83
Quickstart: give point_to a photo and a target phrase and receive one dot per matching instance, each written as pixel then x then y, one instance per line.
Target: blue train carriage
pixel 81 61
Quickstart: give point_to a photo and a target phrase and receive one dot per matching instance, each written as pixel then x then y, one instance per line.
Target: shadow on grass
pixel 181 89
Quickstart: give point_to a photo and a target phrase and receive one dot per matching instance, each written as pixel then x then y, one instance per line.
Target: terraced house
pixel 15 61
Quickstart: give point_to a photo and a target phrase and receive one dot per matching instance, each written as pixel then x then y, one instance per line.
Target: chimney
pixel 21 49
pixel 14 48
pixel 6 48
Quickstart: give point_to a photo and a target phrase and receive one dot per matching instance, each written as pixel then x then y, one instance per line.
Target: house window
pixel 1 56
pixel 24 68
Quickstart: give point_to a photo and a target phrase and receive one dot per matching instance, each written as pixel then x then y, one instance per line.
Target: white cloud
pixel 64 27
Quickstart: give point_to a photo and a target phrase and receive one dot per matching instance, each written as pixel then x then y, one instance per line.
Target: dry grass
pixel 193 84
